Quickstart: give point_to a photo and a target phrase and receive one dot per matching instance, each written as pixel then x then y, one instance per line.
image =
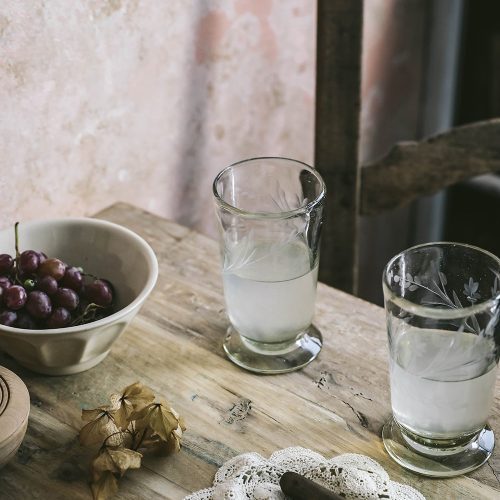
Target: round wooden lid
pixel 14 411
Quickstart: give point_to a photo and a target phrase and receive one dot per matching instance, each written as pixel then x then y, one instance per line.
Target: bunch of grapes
pixel 37 292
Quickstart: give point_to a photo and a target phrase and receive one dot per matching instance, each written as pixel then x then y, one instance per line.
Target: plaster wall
pixel 145 101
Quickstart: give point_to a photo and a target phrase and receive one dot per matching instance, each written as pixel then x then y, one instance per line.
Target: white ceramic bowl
pixel 103 249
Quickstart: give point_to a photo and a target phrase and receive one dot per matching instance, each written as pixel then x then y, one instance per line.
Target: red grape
pixel 52 267
pixel 41 257
pixel 59 318
pixel 39 305
pixel 47 284
pixel 5 282
pixel 15 297
pixel 24 320
pixel 99 293
pixel 65 297
pixel 6 263
pixel 8 318
pixel 29 260
pixel 72 279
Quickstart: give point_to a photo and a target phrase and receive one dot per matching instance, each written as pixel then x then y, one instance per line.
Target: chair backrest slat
pixel 414 169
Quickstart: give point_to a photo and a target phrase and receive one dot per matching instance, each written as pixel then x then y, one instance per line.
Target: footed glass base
pixel 437 458
pixel 260 357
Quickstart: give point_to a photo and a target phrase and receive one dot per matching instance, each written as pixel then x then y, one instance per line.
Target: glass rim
pixel 269 215
pixel 432 312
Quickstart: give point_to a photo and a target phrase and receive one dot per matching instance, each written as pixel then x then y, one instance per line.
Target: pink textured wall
pixel 145 101
pixel 392 68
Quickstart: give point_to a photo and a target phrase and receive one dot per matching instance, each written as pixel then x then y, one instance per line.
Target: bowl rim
pixel 141 297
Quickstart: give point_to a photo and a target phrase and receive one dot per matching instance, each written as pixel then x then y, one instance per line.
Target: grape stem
pixel 90 275
pixel 18 255
pixel 85 316
pixel 16 239
pixel 139 443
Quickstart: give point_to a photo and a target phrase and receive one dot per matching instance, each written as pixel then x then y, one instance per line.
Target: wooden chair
pixel 409 170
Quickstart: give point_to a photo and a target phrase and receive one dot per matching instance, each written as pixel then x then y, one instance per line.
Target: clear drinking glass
pixel 270 216
pixel 442 307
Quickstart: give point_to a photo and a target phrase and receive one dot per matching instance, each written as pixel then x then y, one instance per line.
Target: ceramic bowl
pixel 103 249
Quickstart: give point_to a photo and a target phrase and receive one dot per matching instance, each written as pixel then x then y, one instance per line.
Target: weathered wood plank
pixel 414 169
pixel 335 405
pixel 338 84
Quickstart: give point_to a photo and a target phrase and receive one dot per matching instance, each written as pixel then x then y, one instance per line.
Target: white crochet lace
pixel 251 476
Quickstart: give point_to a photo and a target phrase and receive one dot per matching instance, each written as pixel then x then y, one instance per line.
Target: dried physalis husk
pixel 161 428
pixel 133 398
pixel 101 425
pixel 132 422
pixel 115 459
pixel 160 417
pixel 105 487
pixel 172 445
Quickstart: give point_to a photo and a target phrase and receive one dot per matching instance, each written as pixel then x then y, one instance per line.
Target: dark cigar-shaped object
pixel 299 487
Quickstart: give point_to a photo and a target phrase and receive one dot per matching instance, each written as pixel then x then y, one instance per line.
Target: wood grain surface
pixel 335 405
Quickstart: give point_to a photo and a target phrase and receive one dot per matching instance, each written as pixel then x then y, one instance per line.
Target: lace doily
pixel 251 476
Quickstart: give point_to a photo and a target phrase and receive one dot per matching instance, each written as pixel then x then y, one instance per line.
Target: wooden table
pixel 336 404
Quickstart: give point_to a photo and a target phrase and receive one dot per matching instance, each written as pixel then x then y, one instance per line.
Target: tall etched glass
pixel 270 215
pixel 442 307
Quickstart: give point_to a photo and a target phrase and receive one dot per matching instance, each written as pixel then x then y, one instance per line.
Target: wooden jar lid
pixel 14 411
